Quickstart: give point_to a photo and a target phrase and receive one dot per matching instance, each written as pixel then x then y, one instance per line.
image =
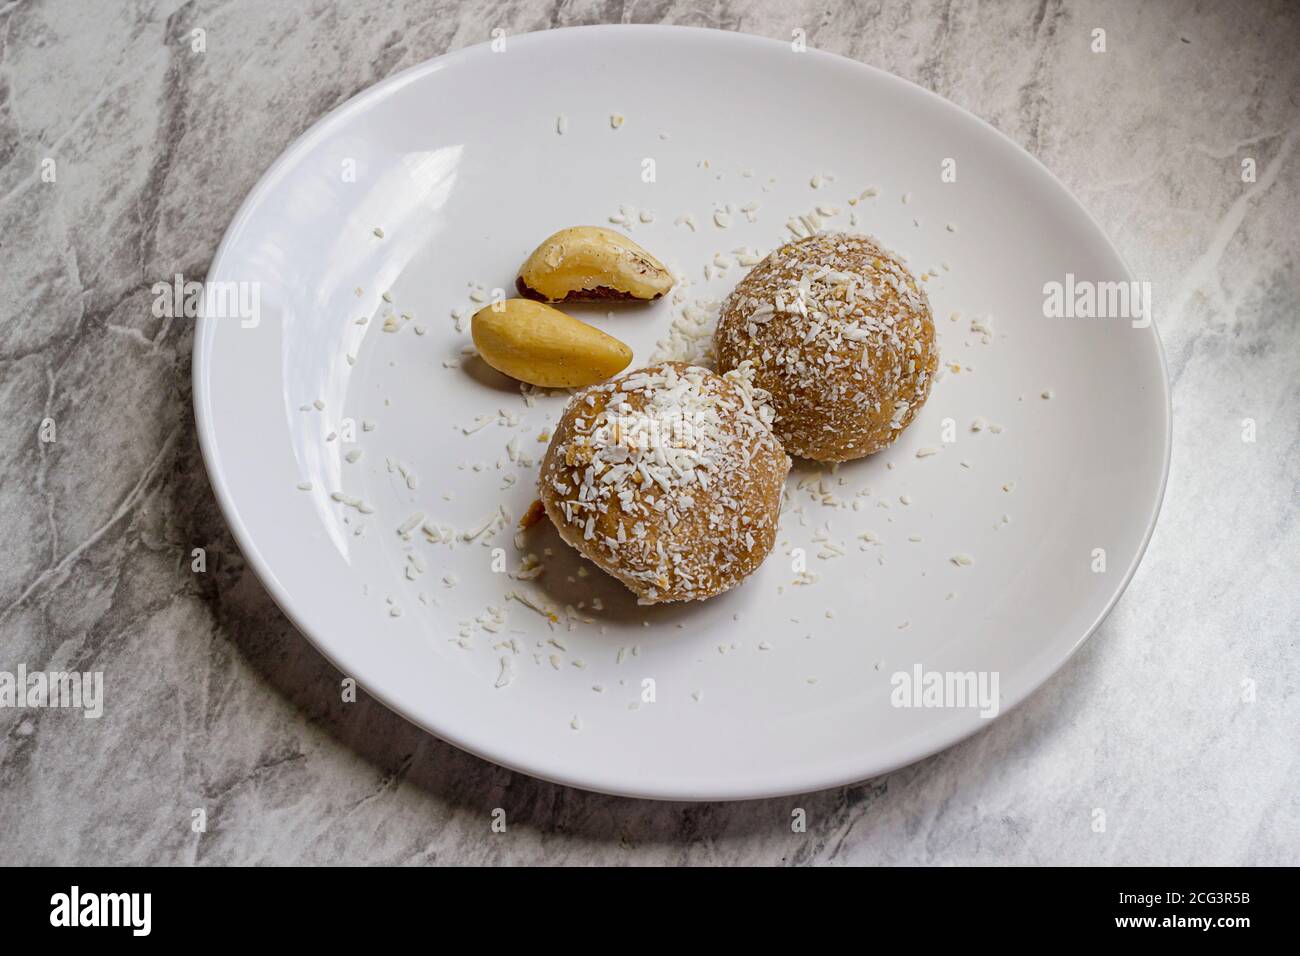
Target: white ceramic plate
pixel 772 688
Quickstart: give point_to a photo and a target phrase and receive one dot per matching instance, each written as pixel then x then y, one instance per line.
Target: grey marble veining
pixel 216 702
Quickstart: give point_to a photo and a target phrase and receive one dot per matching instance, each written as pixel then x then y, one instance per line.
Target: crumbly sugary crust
pixel 839 332
pixel 669 478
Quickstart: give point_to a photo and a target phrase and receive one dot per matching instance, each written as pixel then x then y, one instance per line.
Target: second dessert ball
pixel 840 333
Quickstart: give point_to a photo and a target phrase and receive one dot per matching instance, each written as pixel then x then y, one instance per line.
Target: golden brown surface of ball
pixel 669 478
pixel 840 333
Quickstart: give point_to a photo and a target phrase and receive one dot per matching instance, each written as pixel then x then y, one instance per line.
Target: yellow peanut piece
pixel 537 344
pixel 588 263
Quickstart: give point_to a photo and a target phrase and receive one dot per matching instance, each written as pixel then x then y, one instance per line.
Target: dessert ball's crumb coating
pixel 840 333
pixel 669 478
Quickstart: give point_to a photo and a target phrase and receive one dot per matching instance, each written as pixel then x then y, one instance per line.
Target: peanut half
pixel 588 263
pixel 537 344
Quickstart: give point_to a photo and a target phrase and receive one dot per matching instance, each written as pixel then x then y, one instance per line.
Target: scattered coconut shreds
pixel 304 486
pixel 493 522
pixel 1009 487
pixel 962 560
pixel 690 336
pixel 927 451
pixel 532 605
pixel 408 476
pixel 616 120
pixel 410 524
pixel 984 328
pixel 686 219
pixel 506 674
pixel 576 722
pixel 561 124
pixel 351 502
pixel 379 233
pixel 1048 393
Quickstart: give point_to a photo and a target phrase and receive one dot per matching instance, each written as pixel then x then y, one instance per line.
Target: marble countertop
pixel 1177 725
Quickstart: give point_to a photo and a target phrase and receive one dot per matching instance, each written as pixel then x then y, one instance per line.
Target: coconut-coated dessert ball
pixel 839 332
pixel 669 478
